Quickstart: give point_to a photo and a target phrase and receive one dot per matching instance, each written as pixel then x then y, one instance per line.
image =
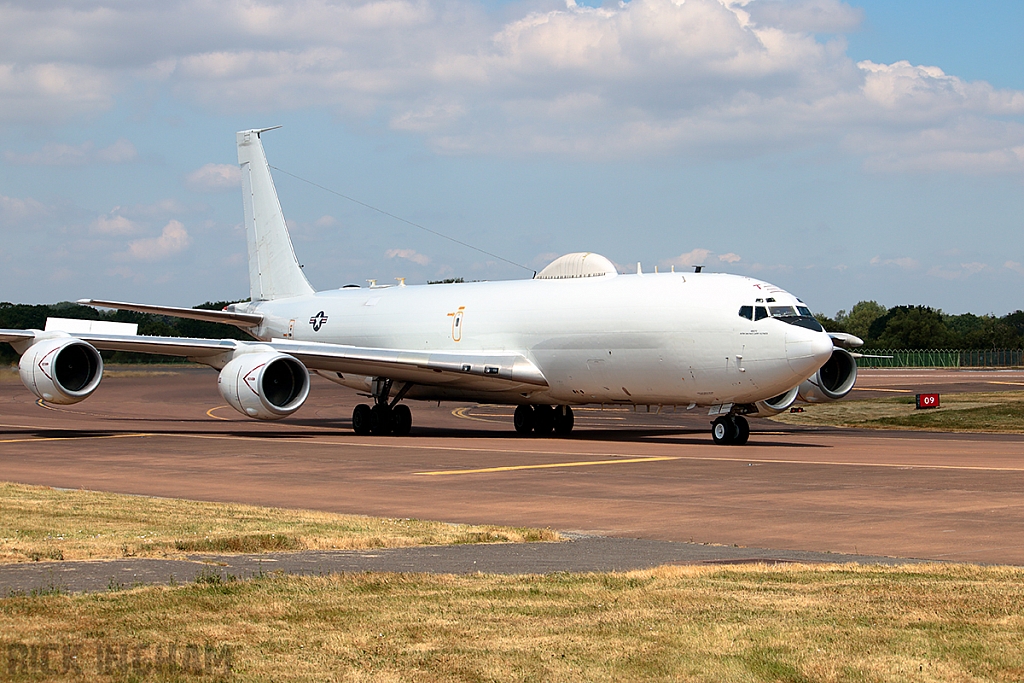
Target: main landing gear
pixel 542 420
pixel 730 430
pixel 384 417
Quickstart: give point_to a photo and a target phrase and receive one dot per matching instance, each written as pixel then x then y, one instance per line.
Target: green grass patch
pixel 741 623
pixel 1001 412
pixel 39 523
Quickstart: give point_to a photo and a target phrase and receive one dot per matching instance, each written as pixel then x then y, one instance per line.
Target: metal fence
pixel 943 358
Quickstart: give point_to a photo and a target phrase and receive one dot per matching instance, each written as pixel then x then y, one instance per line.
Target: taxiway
pixel 625 474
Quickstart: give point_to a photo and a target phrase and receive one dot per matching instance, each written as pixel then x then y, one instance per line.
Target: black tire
pixel 724 431
pixel 543 420
pixel 523 419
pixel 742 429
pixel 401 420
pixel 361 419
pixel 564 420
pixel 380 420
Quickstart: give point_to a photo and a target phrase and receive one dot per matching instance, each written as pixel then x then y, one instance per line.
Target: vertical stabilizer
pixel 274 272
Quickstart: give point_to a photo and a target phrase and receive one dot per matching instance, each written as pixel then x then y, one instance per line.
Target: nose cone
pixel 807 350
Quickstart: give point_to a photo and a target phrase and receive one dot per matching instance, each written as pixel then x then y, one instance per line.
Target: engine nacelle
pixel 775 405
pixel 832 381
pixel 61 370
pixel 264 385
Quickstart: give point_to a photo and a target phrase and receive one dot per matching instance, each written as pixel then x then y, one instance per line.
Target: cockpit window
pixel 760 313
pixel 804 311
pixel 747 312
pixel 783 311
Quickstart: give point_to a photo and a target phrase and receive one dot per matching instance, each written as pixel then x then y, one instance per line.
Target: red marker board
pixel 927 401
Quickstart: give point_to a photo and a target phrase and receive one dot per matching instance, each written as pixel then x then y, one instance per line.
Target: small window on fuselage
pixel 747 312
pixel 760 313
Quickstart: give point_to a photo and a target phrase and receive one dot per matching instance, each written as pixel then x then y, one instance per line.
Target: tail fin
pixel 274 272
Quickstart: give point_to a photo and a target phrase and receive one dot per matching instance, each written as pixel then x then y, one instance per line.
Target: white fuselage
pixel 669 338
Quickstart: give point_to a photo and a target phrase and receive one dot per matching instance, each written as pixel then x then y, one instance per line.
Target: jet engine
pixel 264 385
pixel 832 381
pixel 61 370
pixel 776 405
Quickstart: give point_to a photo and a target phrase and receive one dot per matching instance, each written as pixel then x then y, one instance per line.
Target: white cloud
pixel 814 16
pixel 904 262
pixel 114 225
pixel 408 254
pixel 15 209
pixel 172 240
pixel 965 270
pixel 325 221
pixel 49 92
pixel 729 258
pixel 645 77
pixel 214 178
pixel 120 152
pixel 1014 266
pixel 55 154
pixel 696 257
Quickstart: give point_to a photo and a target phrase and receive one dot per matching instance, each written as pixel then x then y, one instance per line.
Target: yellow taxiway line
pixel 74 438
pixel 209 413
pixel 550 465
pixel 612 458
pixel 895 391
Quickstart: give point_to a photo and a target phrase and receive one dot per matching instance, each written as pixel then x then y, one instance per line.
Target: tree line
pixel 25 316
pixel 922 327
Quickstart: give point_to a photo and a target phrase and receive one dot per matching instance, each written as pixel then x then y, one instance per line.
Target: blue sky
pixel 844 151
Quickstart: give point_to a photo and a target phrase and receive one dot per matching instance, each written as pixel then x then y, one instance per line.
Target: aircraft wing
pixel 226 317
pixel 16 335
pixel 499 369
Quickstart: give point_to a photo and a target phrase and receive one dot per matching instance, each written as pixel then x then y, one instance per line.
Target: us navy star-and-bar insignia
pixel 318 321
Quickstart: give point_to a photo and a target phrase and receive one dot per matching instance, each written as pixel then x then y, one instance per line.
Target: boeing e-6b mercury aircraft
pixel 577 333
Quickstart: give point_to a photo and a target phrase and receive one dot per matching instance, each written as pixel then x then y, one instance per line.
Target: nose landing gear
pixel 730 430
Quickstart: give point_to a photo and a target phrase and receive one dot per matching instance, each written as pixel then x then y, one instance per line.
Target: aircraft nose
pixel 807 350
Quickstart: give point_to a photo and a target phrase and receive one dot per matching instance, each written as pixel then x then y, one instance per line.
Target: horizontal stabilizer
pixel 78 326
pixel 226 317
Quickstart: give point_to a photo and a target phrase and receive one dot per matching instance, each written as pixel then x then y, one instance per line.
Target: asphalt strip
pixel 579 554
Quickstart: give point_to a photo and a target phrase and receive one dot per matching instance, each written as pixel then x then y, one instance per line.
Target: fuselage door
pixel 457 324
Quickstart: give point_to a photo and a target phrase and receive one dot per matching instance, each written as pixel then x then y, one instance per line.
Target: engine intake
pixel 776 404
pixel 265 386
pixel 63 371
pixel 832 381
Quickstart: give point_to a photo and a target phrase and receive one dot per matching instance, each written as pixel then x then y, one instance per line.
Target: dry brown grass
pixel 40 523
pixel 980 412
pixel 742 623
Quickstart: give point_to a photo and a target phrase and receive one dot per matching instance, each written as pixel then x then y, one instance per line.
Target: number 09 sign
pixel 927 401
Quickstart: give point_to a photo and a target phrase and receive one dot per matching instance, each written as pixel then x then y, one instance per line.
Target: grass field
pixel 747 623
pixel 40 523
pixel 983 412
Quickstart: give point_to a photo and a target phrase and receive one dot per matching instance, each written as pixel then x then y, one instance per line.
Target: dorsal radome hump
pixel 578 265
pixel 274 272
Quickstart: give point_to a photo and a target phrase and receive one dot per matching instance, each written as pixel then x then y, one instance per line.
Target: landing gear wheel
pixel 401 420
pixel 523 419
pixel 543 420
pixel 361 419
pixel 380 420
pixel 742 429
pixel 563 420
pixel 724 430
